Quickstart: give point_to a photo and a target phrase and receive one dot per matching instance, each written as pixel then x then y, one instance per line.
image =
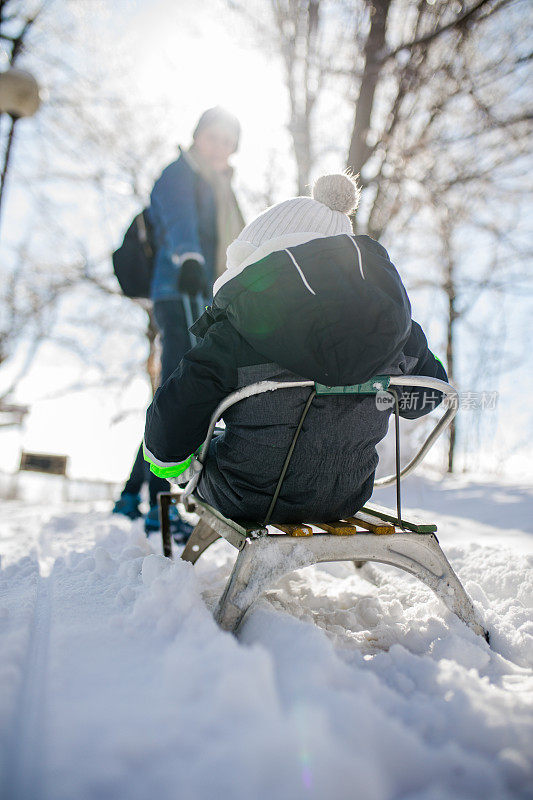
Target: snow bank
pixel 115 681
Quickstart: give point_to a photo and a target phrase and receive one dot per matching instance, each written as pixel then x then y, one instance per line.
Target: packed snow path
pixel 115 682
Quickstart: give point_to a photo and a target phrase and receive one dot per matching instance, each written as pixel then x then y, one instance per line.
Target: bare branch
pixel 460 21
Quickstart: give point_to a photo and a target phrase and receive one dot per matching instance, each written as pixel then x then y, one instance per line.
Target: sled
pixel 269 550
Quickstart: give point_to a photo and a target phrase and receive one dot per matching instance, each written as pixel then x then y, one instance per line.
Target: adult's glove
pixel 191 279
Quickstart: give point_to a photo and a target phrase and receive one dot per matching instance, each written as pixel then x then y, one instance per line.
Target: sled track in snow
pixel 25 756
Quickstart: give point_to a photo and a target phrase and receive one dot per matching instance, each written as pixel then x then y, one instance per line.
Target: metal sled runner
pixel 268 551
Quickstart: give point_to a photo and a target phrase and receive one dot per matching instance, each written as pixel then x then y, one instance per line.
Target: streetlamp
pixel 19 97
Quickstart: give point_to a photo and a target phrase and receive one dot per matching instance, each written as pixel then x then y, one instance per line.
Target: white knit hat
pixel 295 221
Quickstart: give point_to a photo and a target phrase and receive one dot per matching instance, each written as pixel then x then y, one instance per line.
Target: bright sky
pixel 195 60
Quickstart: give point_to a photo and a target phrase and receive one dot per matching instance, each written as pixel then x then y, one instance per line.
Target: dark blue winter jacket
pixel 183 214
pixel 312 312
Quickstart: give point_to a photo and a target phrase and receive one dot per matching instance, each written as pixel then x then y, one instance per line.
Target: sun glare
pixel 189 69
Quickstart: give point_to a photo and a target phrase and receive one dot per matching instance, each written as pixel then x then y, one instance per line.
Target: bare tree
pixel 16 312
pixel 437 92
pixel 314 42
pixel 86 136
pixel 465 275
pixel 297 25
pixel 411 94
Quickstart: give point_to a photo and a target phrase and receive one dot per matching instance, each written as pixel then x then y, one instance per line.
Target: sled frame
pixel 265 557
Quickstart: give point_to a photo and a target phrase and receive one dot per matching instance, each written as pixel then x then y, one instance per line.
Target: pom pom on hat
pixel 338 192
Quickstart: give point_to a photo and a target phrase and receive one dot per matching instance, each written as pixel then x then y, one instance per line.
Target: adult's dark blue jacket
pixel 333 310
pixel 182 211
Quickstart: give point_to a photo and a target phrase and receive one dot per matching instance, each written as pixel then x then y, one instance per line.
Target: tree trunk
pixel 298 25
pixel 7 153
pixel 301 142
pixel 359 150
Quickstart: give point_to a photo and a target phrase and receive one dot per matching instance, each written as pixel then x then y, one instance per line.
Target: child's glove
pixel 191 279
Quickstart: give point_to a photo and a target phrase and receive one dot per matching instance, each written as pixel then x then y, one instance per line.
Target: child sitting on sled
pixel 301 298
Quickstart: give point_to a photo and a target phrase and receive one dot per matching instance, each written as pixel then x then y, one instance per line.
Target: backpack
pixel 133 261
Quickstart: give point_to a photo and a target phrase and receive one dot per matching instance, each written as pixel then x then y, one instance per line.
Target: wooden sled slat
pixel 339 528
pixel 371 523
pixel 294 530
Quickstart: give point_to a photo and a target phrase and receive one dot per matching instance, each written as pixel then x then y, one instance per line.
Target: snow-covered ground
pixel 116 683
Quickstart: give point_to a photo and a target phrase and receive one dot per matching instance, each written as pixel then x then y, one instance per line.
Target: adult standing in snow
pixel 195 216
pixel 302 297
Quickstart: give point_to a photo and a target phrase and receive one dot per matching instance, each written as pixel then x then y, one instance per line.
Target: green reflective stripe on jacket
pixel 172 471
